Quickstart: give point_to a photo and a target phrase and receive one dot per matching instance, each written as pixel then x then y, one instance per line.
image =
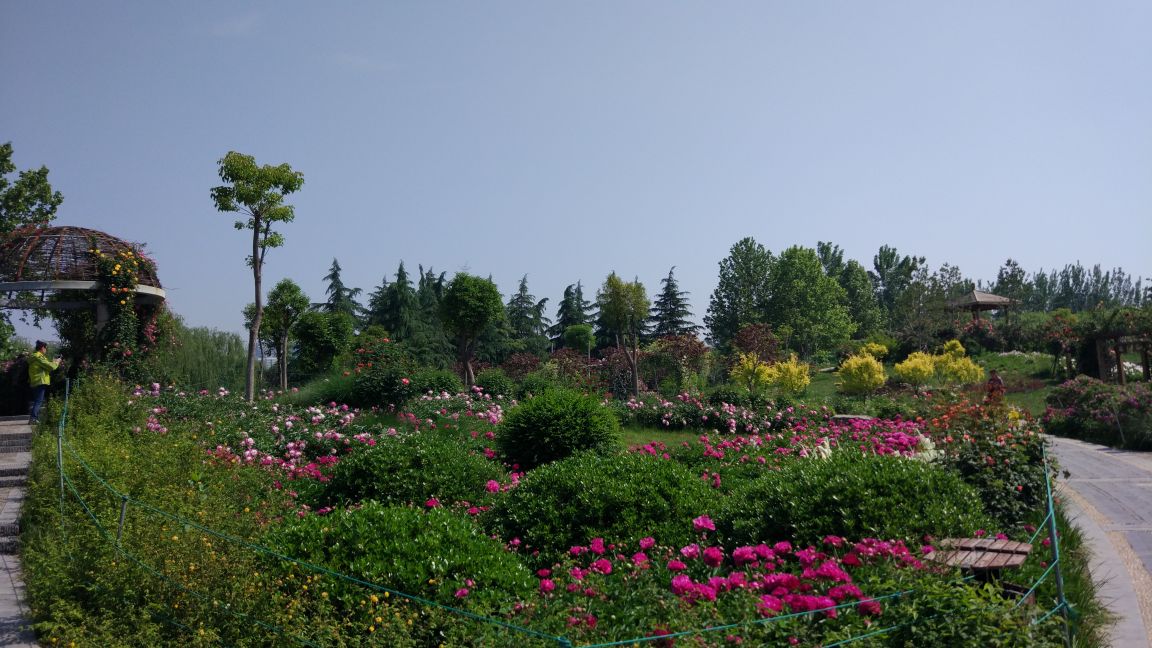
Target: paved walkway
pixel 1109 496
pixel 15 439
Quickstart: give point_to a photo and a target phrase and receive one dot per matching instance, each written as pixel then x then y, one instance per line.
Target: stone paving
pixel 1109 496
pixel 15 442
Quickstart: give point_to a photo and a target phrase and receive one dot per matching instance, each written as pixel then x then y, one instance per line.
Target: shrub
pixel 409 469
pixel 861 374
pixel 751 373
pixel 917 369
pixel 854 496
pixel 436 381
pixel 958 370
pixel 554 425
pixel 874 349
pixel 625 496
pixel 495 382
pixel 790 377
pixel 1089 409
pixel 536 383
pixel 393 547
pixel 953 349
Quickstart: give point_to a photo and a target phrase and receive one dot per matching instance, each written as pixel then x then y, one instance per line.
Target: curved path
pixel 1108 494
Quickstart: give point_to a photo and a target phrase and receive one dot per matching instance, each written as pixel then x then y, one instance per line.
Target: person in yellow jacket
pixel 40 370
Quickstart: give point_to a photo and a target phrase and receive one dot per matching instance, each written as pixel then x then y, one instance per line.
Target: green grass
pixel 634 436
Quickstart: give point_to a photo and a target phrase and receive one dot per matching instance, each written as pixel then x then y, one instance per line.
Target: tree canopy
pixel 469 305
pixel 742 291
pixel 26 200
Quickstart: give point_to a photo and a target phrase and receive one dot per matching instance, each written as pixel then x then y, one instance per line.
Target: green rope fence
pixel 67 486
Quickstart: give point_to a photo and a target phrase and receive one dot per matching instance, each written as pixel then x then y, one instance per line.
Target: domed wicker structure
pixel 35 261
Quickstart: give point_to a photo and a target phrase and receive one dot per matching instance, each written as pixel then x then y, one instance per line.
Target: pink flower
pixel 492 486
pixel 703 523
pixel 647 543
pixel 713 556
pixel 681 584
pixel 406 381
pixel 432 502
pixel 462 592
pixel 691 552
pixel 676 565
pixel 597 546
pixel 547 585
pixel 639 558
pixel 601 566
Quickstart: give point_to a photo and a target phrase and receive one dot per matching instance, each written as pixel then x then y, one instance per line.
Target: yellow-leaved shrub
pixel 917 369
pixel 861 374
pixel 791 376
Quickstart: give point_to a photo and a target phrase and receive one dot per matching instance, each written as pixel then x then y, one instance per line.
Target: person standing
pixel 40 370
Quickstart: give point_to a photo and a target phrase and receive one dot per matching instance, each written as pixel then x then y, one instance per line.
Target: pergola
pixel 978 300
pixel 37 263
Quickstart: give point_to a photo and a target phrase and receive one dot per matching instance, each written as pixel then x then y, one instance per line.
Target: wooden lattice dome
pixel 49 259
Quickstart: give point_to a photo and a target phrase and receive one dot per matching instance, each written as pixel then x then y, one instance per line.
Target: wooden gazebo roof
pixel 978 300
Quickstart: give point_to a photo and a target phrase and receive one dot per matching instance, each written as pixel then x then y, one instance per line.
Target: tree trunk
pixel 254 332
pixel 282 362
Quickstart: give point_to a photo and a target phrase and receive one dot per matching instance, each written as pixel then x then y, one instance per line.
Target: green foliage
pixel 391 546
pixel 27 200
pixel 321 338
pixel 976 616
pixel 750 373
pixel 469 306
pixel 537 383
pixel 671 314
pixel 854 496
pixel 436 381
pixel 958 370
pixel 341 299
pixel 555 424
pixel 741 293
pixel 808 302
pixel 579 337
pixel 626 496
pixel 874 349
pixel 406 469
pixel 383 373
pixel 861 374
pixel 495 382
pixel 527 323
pixel 199 358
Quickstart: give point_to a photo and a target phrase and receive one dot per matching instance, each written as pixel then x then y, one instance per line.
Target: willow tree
pixel 257 193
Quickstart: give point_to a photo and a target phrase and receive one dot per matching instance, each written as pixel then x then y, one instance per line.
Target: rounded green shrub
pixel 555 425
pixel 495 382
pixel 622 497
pixel 437 381
pixel 536 383
pixel 406 469
pixel 430 553
pixel 854 496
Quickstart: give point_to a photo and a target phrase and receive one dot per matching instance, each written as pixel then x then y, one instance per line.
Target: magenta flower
pixel 547 585
pixel 713 556
pixel 676 565
pixel 432 503
pixel 703 523
pixel 647 543
pixel 744 555
pixel 690 552
pixel 601 566
pixel 597 546
pixel 492 486
pixel 462 592
pixel 681 584
pixel 639 558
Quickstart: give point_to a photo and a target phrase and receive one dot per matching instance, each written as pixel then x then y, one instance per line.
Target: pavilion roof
pixel 980 300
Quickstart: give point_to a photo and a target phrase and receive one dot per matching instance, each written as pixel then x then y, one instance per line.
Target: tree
pixel 807 303
pixel 527 323
pixel 321 338
pixel 670 313
pixel 861 296
pixel 27 200
pixel 341 299
pixel 470 304
pixel 394 306
pixel 892 275
pixel 572 310
pixel 256 192
pixel 1012 282
pixel 623 313
pixel 742 292
pixel 287 303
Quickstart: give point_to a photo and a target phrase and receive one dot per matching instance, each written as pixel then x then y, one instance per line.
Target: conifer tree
pixel 671 314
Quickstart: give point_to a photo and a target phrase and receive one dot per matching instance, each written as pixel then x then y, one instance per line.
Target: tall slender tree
pixel 572 310
pixel 257 193
pixel 527 323
pixel 671 314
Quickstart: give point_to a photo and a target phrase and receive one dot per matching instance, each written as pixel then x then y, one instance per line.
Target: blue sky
pixel 568 140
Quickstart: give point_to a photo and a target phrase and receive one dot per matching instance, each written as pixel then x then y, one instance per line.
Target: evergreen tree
pixel 573 310
pixel 527 323
pixel 341 299
pixel 428 341
pixel 671 314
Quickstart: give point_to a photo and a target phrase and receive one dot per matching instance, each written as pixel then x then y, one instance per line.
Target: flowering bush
pixel 1115 415
pixel 861 374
